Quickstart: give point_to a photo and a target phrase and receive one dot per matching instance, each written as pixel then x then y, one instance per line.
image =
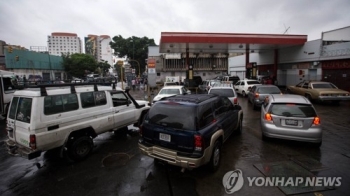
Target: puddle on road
pixel 290 169
pixel 115 160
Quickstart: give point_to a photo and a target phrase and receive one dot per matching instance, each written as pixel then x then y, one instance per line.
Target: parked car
pixel 207 84
pixel 291 117
pixel 226 90
pixel 189 130
pixel 258 93
pixel 196 81
pixel 230 79
pixel 243 86
pixel 319 91
pixel 167 91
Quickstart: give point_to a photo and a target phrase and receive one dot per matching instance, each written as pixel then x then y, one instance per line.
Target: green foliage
pixel 78 65
pixel 104 66
pixel 135 48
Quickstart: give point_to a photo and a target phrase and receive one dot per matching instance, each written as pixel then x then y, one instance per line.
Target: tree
pixel 77 65
pixel 104 66
pixel 135 48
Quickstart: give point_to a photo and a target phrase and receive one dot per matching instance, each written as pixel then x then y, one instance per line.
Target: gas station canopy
pixel 179 42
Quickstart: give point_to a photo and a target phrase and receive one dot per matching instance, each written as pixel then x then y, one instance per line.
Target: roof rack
pixel 43 87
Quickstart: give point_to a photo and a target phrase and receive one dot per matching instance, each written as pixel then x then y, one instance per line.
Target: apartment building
pixel 60 42
pixel 99 47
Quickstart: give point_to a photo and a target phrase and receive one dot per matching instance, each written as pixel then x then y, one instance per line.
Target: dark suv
pixel 188 130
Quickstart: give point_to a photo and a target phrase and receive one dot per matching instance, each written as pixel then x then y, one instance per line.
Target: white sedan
pixel 168 91
pixel 243 86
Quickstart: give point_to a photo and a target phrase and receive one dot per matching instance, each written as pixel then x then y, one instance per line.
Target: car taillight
pixel 198 142
pixel 256 95
pixel 268 117
pixel 235 100
pixel 32 142
pixel 317 121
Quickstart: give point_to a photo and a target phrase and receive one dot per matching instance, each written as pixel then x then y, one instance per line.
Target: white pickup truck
pixel 68 117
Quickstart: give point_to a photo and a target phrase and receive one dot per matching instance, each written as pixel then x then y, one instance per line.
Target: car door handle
pixel 116 112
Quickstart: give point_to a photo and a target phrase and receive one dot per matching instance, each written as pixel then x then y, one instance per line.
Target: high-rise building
pixel 60 42
pixel 99 47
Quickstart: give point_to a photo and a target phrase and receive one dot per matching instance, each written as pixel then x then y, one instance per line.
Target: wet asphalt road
pixel 116 166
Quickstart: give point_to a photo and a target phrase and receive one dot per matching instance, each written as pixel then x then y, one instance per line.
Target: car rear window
pixel 223 92
pixel 252 82
pixel 169 91
pixel 292 110
pixel 269 90
pixel 21 109
pixel 173 115
pixel 325 85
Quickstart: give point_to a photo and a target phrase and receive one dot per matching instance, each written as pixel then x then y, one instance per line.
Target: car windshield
pixel 172 115
pixel 324 85
pixel 222 92
pixel 252 82
pixel 292 110
pixel 169 91
pixel 269 90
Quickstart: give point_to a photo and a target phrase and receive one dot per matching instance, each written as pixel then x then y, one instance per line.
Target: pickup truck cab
pixel 68 117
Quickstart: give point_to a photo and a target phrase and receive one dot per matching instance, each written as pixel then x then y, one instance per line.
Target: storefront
pixel 337 72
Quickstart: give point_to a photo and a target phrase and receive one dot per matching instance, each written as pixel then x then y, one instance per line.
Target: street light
pixel 133 48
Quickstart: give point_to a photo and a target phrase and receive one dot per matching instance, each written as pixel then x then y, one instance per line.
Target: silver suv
pixel 225 90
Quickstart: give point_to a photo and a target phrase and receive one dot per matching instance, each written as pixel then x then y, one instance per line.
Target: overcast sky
pixel 29 22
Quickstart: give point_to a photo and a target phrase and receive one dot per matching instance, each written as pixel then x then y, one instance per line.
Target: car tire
pixel 215 157
pixel 264 138
pixel 254 106
pixel 319 144
pixel 122 132
pixel 239 129
pixel 308 97
pixel 80 148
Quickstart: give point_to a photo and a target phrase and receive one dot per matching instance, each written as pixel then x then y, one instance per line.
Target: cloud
pixel 29 22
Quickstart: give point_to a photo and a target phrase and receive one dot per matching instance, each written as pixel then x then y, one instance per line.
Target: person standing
pixel 133 82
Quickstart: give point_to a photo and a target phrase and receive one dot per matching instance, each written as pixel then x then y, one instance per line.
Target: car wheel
pixel 319 144
pixel 240 126
pixel 254 106
pixel 80 148
pixel 122 132
pixel 215 157
pixel 308 97
pixel 243 94
pixel 264 138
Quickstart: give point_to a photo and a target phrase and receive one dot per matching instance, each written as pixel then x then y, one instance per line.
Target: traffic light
pixel 17 58
pixel 10 49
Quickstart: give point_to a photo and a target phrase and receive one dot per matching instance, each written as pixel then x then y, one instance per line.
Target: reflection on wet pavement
pixel 290 169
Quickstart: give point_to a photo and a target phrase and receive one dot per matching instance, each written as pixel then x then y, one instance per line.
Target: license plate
pixel 164 137
pixel 291 122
